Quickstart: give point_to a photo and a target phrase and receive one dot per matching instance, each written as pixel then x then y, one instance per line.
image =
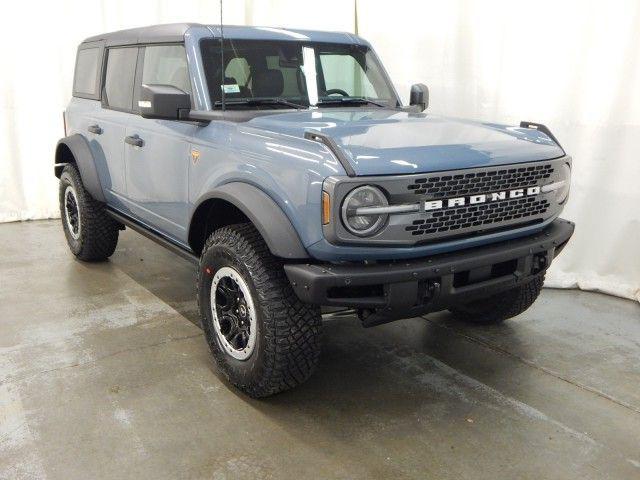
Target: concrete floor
pixel 104 374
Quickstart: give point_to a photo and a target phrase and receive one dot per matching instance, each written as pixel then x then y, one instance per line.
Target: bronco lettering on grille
pixel 431 205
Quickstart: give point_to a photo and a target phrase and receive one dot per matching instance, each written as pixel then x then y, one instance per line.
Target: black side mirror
pixel 164 101
pixel 419 96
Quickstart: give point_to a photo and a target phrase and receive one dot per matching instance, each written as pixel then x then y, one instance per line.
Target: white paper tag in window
pixel 230 88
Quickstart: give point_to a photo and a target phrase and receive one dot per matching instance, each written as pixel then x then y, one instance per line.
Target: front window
pixel 166 65
pixel 281 74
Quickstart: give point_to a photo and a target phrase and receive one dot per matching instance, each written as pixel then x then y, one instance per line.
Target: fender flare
pixel 84 160
pixel 265 214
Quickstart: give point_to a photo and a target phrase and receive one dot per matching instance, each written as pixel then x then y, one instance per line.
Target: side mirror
pixel 419 96
pixel 164 101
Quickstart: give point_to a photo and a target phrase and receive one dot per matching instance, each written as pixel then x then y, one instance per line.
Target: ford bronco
pixel 284 164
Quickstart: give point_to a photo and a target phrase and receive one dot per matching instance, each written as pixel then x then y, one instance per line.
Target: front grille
pixel 478 216
pixel 443 205
pixel 440 186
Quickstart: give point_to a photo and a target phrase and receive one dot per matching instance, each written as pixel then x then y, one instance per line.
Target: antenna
pixel 222 57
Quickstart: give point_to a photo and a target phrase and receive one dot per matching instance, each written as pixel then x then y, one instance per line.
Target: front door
pixel 157 152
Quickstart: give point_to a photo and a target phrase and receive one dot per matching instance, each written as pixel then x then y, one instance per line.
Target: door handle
pixel 134 140
pixel 95 129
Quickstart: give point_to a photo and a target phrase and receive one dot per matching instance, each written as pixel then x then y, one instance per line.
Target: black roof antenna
pixel 222 57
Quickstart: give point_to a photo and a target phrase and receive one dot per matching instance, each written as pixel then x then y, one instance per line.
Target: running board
pixel 156 237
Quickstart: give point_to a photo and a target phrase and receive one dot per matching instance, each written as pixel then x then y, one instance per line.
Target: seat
pixel 268 83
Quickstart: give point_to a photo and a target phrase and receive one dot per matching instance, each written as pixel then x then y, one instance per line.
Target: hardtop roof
pixel 175 32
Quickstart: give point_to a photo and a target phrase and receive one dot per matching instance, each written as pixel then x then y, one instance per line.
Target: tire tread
pixel 99 231
pixel 291 328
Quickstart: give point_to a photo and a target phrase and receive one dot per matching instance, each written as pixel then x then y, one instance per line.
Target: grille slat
pixel 474 216
pixel 441 186
pixel 450 221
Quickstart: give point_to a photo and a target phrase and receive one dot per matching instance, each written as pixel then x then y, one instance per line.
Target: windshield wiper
pixel 259 101
pixel 352 101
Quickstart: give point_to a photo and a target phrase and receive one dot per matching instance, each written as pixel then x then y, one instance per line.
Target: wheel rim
pixel 72 212
pixel 234 315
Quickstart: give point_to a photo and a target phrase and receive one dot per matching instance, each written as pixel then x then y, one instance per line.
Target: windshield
pixel 281 74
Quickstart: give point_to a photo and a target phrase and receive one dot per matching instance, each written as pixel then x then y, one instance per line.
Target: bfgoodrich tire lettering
pixel 92 235
pixel 287 343
pixel 500 307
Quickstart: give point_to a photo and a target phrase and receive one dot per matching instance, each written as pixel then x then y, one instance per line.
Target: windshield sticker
pixel 230 88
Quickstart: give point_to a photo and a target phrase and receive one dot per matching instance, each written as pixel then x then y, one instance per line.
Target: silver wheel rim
pixel 72 212
pixel 233 312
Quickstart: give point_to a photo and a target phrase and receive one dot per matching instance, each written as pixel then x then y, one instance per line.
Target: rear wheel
pixel 262 337
pixel 92 235
pixel 500 307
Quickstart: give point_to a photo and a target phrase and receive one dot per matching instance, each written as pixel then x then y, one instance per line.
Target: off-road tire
pixel 287 347
pixel 498 308
pixel 98 233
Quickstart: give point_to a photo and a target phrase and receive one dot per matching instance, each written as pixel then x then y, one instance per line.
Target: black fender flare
pixel 79 147
pixel 265 214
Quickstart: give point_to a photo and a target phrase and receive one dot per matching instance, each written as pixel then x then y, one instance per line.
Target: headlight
pixel 354 210
pixel 565 175
pixel 562 186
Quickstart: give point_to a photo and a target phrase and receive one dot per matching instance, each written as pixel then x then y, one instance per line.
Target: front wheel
pixel 500 307
pixel 262 337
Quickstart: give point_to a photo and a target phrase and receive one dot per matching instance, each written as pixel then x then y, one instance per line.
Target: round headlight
pixel 565 175
pixel 354 215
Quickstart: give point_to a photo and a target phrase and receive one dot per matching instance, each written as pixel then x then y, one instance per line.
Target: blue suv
pixel 284 164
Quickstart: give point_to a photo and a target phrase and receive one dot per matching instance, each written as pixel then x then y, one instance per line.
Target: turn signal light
pixel 326 208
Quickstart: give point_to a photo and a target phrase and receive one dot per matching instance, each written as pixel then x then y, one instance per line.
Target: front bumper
pixel 404 288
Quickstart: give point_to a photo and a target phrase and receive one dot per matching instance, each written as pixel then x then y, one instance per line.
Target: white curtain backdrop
pixel 572 65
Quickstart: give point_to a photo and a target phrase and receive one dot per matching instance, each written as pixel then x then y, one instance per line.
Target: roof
pixel 175 32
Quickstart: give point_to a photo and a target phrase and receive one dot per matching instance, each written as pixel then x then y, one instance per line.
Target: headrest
pixel 268 83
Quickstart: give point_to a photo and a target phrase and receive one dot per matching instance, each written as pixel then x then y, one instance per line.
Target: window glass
pixel 343 72
pixel 86 71
pixel 290 76
pixel 254 70
pixel 166 65
pixel 118 83
pixel 238 69
pixel 271 74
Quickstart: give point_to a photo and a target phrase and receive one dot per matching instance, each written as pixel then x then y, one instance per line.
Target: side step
pixel 156 237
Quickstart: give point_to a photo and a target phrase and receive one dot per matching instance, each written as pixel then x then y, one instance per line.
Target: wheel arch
pixel 240 202
pixel 75 149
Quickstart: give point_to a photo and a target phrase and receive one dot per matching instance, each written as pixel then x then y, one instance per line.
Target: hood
pixel 384 141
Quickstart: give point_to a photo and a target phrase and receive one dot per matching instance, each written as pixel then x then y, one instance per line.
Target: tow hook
pixel 539 263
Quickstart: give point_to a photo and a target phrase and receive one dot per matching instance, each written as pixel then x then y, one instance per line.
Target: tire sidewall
pixel 241 372
pixel 66 180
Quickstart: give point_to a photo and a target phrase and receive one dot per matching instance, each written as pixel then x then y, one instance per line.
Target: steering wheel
pixel 331 91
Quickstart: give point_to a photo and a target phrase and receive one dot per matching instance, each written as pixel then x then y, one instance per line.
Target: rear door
pixel 157 172
pixel 107 127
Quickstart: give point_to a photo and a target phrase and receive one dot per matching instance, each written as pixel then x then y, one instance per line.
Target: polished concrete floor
pixel 104 374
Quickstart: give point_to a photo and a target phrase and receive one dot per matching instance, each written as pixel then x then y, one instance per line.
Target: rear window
pixel 118 80
pixel 87 67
